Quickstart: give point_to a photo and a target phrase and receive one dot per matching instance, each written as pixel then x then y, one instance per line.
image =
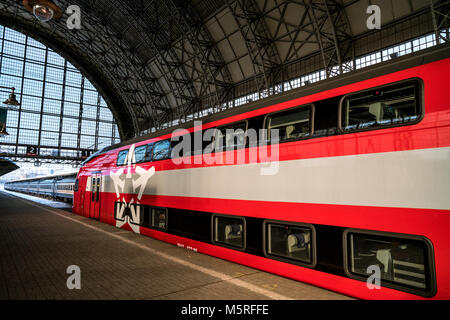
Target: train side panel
pixel 393 180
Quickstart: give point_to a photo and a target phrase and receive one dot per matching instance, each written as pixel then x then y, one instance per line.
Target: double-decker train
pixel 58 186
pixel 358 201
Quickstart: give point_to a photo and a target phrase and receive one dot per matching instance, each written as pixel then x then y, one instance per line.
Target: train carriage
pixel 45 187
pixel 360 183
pixel 57 187
pixel 63 187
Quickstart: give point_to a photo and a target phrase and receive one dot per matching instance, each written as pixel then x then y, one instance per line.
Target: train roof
pixel 404 62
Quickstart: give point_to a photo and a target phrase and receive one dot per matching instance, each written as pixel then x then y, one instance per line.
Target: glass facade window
pixel 54 97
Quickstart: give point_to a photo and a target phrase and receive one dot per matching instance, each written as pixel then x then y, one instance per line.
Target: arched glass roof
pixel 61 112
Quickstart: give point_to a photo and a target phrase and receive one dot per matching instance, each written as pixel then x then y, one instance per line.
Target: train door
pixel 96 180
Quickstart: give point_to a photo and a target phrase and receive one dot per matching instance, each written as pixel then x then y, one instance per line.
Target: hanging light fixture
pixel 43 13
pixel 3 131
pixel 11 101
pixel 43 10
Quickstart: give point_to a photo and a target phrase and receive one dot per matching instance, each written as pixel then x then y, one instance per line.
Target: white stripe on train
pixel 406 179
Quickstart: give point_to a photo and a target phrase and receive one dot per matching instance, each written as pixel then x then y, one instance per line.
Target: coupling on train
pixel 358 202
pixel 57 187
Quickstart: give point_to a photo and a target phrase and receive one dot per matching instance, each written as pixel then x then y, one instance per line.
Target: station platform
pixel 40 239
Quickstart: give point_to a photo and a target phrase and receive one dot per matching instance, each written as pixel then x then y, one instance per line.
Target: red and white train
pixel 362 188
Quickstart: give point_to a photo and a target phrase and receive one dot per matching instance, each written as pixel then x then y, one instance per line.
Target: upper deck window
pixel 139 154
pixel 143 153
pixel 292 124
pixel 122 157
pixel 390 105
pixel 230 136
pixel 161 150
pixel 148 152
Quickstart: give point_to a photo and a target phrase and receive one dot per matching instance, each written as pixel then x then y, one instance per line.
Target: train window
pixel 159 218
pixel 395 104
pixel 122 157
pixel 292 124
pixel 404 262
pixel 148 152
pixel 139 154
pixel 229 231
pixel 291 241
pixel 231 136
pixel 161 150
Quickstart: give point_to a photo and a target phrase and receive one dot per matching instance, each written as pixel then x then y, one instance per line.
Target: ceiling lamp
pixel 3 131
pixel 12 101
pixel 43 10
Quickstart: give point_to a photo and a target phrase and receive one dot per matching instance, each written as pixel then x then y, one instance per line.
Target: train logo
pixel 128 183
pixel 128 213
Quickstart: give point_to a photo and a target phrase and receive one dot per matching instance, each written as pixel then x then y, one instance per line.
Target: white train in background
pixel 59 187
